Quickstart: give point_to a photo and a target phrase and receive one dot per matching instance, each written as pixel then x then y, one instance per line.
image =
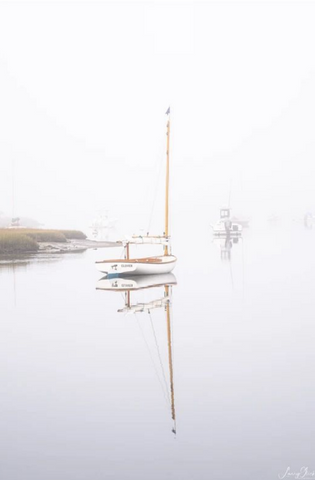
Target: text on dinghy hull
pixel 139 266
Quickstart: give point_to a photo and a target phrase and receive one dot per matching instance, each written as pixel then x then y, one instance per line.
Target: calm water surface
pixel 83 394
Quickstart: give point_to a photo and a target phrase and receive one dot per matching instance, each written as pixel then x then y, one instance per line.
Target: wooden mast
pixel 127 256
pixel 127 295
pixel 167 178
pixel 170 358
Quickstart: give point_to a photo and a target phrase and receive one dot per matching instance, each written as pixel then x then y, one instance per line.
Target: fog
pixel 84 87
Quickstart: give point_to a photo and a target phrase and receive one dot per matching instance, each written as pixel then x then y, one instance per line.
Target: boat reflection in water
pixel 226 245
pixel 161 299
pixel 226 232
pixel 309 220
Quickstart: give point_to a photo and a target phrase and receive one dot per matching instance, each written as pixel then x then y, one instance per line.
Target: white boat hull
pixel 222 229
pixel 146 266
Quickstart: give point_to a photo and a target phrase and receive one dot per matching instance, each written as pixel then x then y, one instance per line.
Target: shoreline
pixel 74 246
pixel 71 246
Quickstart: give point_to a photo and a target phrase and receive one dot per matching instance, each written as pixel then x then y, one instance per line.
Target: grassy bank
pixel 73 234
pixel 12 243
pixel 26 240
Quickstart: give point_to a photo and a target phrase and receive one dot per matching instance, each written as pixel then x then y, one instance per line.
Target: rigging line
pixel 160 359
pixel 153 363
pixel 13 185
pixel 153 175
pixel 122 295
pixel 172 330
pixel 14 285
pixel 229 204
pixel 155 195
pixel 173 341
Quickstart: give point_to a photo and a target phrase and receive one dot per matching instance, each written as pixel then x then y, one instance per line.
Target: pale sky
pixel 84 87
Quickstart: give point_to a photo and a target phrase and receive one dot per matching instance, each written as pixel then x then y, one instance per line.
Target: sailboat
pixel 127 285
pixel 147 265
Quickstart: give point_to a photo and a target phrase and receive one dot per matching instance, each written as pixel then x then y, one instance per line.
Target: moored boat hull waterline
pixel 145 266
pixel 127 283
pixel 221 229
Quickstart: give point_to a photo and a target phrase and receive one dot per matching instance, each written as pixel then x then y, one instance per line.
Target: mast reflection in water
pixel 127 285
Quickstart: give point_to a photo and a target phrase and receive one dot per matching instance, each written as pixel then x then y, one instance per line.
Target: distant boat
pixel 244 222
pixel 18 222
pixel 147 265
pixel 225 243
pixel 309 220
pixel 225 226
pixel 274 219
pixel 102 227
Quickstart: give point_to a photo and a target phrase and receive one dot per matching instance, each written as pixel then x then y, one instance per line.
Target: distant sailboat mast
pixel 167 178
pixel 15 221
pixel 13 181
